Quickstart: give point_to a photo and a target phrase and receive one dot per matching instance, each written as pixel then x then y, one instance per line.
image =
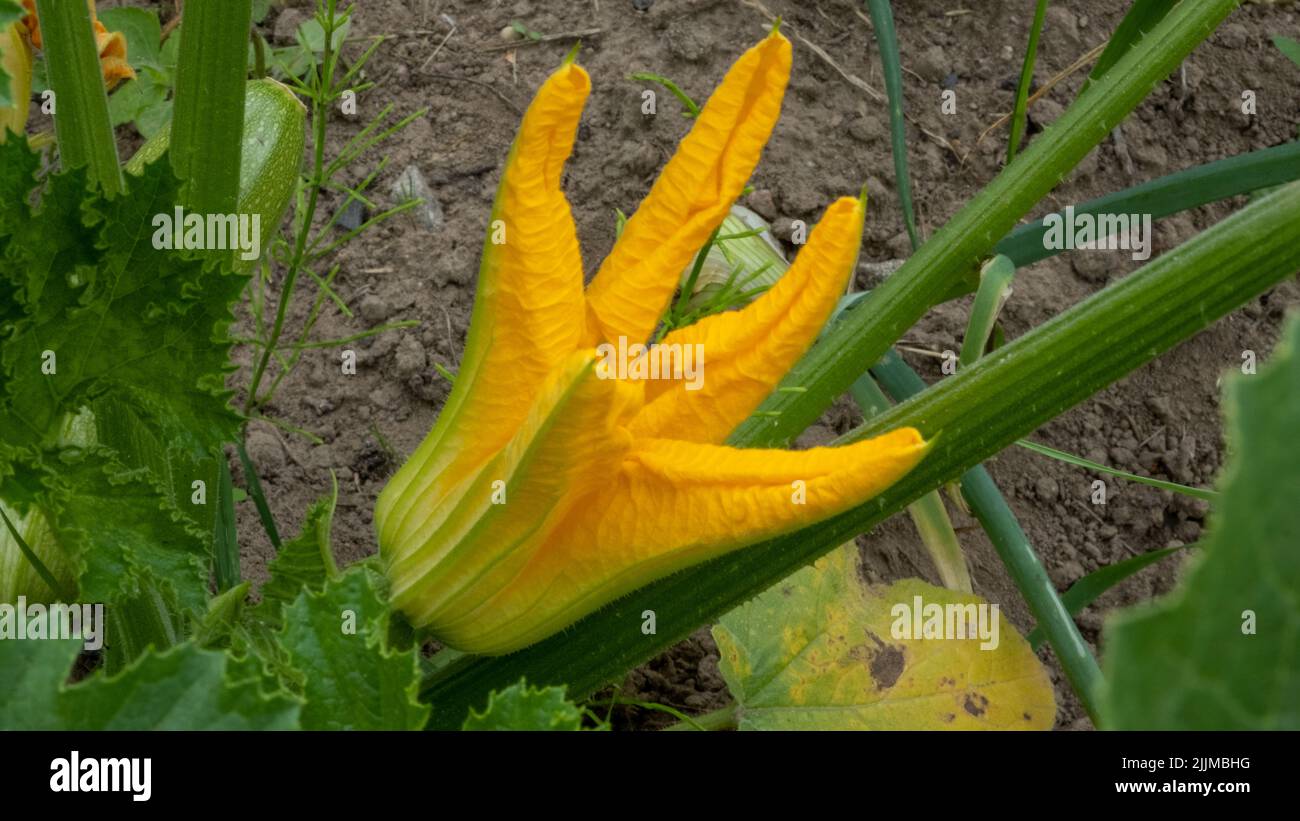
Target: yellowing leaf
pixel 818 652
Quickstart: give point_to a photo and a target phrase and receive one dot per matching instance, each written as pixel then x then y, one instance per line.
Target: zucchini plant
pixel 583 500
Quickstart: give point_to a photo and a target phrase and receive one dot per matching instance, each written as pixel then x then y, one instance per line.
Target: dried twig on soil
pixel 545 38
pixel 450 22
pixel 1087 58
pixel 174 22
pixel 454 79
pixel 853 80
pixel 1121 151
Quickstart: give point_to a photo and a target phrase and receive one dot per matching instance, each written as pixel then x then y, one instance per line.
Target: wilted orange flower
pixel 111 45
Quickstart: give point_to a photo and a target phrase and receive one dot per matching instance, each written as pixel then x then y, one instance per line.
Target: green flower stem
pixel 974 414
pixel 81 123
pixel 319 119
pixel 952 256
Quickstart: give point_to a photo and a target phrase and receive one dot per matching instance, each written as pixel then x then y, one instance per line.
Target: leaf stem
pixel 208 123
pixel 82 126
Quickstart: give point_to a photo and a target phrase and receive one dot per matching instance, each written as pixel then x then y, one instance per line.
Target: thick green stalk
pixel 81 123
pixel 975 414
pixel 953 254
pixel 208 123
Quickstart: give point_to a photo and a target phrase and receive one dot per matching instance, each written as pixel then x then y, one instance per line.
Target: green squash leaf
pixel 522 707
pixel 817 651
pixel 114 526
pixel 350 679
pixel 1289 47
pixel 1223 650
pixel 119 315
pixel 183 689
pixel 100 327
pixel 305 562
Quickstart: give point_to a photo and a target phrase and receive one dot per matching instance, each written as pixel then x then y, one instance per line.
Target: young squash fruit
pixel 275 126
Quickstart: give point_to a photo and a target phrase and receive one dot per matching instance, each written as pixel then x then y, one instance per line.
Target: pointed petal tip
pixel 572 57
pixel 909 441
pixel 572 75
pixel 915 439
pixel 907 438
pixel 844 206
pixel 923 444
pixel 776 36
pixel 845 203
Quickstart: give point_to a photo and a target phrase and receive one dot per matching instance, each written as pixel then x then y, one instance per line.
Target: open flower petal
pixel 747 352
pixel 528 309
pixel 573 439
pixel 674 504
pixel 691 196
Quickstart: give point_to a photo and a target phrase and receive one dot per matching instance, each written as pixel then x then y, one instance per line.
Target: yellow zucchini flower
pixel 557 479
pixel 110 44
pixel 16 59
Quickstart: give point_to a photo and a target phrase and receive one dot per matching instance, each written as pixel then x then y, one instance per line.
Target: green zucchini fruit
pixel 275 127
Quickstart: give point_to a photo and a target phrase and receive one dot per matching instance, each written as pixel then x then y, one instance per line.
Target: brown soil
pixel 1162 421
